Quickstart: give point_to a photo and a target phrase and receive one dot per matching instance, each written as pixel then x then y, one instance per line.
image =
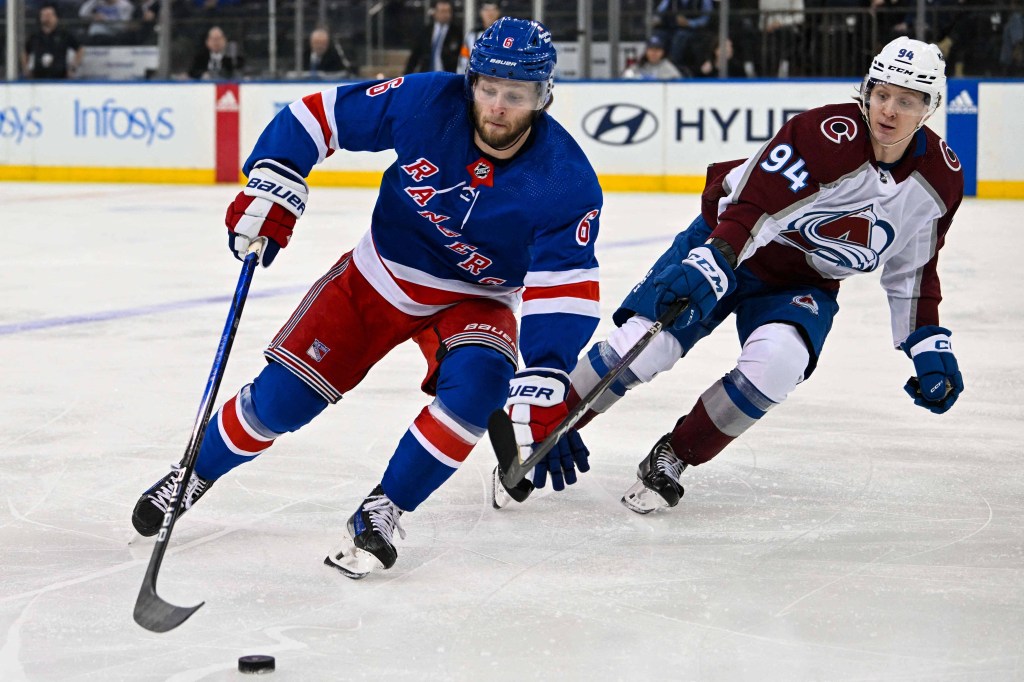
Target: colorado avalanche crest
pixel 851 239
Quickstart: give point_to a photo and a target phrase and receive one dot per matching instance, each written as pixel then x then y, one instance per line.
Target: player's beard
pixel 516 127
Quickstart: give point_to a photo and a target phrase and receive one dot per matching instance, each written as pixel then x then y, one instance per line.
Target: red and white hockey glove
pixel 273 199
pixel 536 405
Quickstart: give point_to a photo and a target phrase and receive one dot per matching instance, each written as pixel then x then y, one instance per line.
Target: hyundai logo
pixel 620 124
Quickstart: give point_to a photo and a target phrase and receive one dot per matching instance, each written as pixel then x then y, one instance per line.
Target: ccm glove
pixel 536 405
pixel 938 382
pixel 704 277
pixel 273 199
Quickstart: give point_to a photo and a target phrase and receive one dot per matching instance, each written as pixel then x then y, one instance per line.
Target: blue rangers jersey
pixel 451 223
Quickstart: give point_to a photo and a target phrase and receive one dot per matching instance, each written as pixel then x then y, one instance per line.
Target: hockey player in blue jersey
pixel 489 205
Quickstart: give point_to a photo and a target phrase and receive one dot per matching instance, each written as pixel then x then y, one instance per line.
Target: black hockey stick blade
pixel 151 611
pixel 502 433
pixel 503 439
pixel 157 615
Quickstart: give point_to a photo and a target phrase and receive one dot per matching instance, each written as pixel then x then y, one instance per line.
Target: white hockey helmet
pixel 910 64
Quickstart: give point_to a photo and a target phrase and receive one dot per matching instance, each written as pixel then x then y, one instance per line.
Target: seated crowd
pixel 768 38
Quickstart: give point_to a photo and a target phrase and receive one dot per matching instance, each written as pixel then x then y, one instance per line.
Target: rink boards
pixel 639 136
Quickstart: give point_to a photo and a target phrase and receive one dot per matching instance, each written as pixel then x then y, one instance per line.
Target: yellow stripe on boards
pixel 177 176
pixel 675 184
pixel 1000 189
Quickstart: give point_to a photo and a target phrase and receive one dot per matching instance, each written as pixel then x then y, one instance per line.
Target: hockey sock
pixel 728 408
pixel 772 363
pixel 473 382
pixel 589 371
pixel 276 402
pixel 660 355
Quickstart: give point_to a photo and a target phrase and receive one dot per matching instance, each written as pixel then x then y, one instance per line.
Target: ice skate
pixel 148 515
pixel 658 484
pixel 368 543
pixel 501 496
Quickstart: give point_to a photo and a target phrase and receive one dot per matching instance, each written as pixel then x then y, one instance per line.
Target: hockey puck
pixel 256 664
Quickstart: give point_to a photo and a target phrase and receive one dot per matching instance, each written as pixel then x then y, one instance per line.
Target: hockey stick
pixel 152 612
pixel 499 426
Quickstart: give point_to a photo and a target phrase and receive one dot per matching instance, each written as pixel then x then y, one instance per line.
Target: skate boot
pixel 368 544
pixel 658 484
pixel 149 512
pixel 501 496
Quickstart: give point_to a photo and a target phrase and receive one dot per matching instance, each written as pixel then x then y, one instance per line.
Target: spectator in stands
pixel 842 51
pixel 680 23
pixel 969 39
pixel 889 17
pixel 149 17
pixel 653 66
pixel 325 57
pixel 939 18
pixel 1011 56
pixel 48 49
pixel 110 20
pixel 781 24
pixel 213 62
pixel 437 46
pixel 489 12
pixel 709 64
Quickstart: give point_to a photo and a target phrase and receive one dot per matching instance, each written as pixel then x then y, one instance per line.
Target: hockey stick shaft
pixel 514 469
pixel 152 612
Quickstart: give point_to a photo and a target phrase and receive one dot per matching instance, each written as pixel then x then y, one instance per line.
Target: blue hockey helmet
pixel 515 49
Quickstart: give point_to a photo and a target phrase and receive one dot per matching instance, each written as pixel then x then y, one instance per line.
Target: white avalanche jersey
pixel 814 207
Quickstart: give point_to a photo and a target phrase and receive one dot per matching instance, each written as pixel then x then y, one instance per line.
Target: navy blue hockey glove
pixel 561 463
pixel 536 405
pixel 704 277
pixel 938 382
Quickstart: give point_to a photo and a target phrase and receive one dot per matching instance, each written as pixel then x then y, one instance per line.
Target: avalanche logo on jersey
pixel 851 239
pixel 806 301
pixel 839 128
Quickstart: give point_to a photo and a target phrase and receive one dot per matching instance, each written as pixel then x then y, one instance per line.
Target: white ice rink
pixel 849 536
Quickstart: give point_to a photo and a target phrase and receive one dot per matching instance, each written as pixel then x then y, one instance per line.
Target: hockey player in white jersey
pixel 840 190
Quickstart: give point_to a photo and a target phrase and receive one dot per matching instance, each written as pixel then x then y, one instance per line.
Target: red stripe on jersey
pixel 315 104
pixel 236 433
pixel 441 437
pixel 430 295
pixel 427 295
pixel 586 290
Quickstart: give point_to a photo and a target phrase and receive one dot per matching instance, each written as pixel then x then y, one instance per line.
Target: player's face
pixel 504 94
pixel 502 109
pixel 895 112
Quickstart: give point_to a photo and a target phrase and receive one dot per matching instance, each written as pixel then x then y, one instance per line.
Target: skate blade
pixel 353 562
pixel 642 500
pixel 499 496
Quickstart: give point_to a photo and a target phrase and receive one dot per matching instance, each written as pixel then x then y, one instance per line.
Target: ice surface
pixel 850 536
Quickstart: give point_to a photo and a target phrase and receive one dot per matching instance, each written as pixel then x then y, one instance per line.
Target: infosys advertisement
pixel 107 126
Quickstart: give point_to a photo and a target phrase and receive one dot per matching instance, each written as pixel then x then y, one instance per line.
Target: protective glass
pixel 509 94
pixel 903 101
